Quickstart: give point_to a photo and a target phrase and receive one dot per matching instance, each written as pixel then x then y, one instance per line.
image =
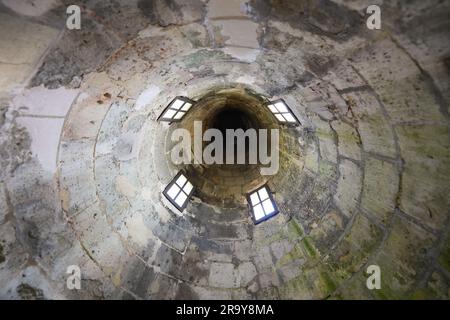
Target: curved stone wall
pixel 362 181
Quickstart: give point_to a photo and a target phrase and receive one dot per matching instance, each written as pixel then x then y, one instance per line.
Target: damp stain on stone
pixel 204 57
pixel 2 257
pixel 323 17
pixel 27 292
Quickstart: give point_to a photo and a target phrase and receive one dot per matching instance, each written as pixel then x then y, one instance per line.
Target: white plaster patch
pixel 242 33
pixel 147 96
pixel 124 186
pixel 44 133
pixel 241 38
pixel 229 8
pixel 45 102
pixel 137 230
pixel 146 193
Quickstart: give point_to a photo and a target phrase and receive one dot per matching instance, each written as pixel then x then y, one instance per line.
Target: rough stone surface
pixel 349 187
pixel 381 181
pixel 362 180
pixel 348 140
pixel 425 162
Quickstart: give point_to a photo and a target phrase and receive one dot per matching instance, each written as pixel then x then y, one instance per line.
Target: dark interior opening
pixel 230 109
pixel 233 118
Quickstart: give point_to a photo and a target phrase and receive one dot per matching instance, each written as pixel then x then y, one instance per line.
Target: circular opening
pixel 225 109
pixel 233 118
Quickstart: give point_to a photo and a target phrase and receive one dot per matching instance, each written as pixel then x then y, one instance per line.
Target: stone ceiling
pixel 364 180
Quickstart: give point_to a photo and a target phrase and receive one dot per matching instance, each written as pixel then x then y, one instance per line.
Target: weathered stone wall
pixel 365 180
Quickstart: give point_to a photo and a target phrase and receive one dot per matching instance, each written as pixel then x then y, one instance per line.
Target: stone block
pixel 399 83
pixel 357 246
pixel 327 143
pixel 349 187
pixel 348 140
pixel 403 258
pixel 424 190
pixel 45 102
pixel 380 188
pixel 76 173
pixel 376 134
pixel 245 273
pixel 223 275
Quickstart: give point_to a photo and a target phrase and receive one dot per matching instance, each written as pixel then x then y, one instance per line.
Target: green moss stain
pixel 327 169
pixel 426 140
pixel 294 254
pixel 348 137
pixel 423 294
pixel 386 293
pixel 353 252
pixel 27 292
pixel 339 273
pixel 389 290
pixel 306 242
pixel 296 288
pixel 324 134
pixel 327 283
pixel 294 229
pixel 312 282
pixel 276 237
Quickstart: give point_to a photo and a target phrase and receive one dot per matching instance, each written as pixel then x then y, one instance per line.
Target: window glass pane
pixel 272 108
pixel 280 118
pixel 179 115
pixel 181 180
pixel 258 212
pixel 177 104
pixel 181 199
pixel 268 206
pixel 186 106
pixel 173 191
pixel 254 199
pixel 289 117
pixel 188 187
pixel 169 114
pixel 263 195
pixel 281 107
